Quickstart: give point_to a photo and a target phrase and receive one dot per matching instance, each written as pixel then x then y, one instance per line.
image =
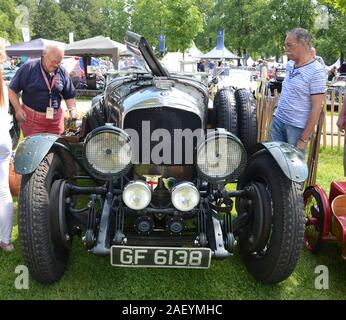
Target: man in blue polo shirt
pixel 302 92
pixel 43 83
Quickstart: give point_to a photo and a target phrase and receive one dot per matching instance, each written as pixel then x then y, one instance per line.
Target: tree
pixel 85 17
pixel 178 20
pixel 148 19
pixel 183 22
pixel 116 18
pixel 331 42
pixel 203 39
pixel 336 4
pixel 8 15
pixel 50 22
pixel 257 27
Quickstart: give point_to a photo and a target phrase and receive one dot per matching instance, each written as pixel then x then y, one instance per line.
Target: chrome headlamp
pixel 137 195
pixel 107 152
pixel 185 196
pixel 220 157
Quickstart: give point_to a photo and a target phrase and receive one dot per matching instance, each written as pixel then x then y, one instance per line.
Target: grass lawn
pixel 92 277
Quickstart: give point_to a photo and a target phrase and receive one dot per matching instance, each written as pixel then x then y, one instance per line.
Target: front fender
pixel 289 158
pixel 31 152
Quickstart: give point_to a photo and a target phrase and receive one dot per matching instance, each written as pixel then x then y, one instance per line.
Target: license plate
pixel 165 257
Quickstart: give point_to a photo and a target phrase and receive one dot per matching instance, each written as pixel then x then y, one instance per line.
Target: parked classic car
pixel 338 84
pixel 238 78
pixel 154 164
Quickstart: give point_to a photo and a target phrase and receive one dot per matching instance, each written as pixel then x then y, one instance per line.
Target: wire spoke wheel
pixel 314 217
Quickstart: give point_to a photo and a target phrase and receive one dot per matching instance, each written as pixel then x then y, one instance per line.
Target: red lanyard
pixel 50 87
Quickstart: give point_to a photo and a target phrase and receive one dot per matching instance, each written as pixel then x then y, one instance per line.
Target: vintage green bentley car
pixel 156 178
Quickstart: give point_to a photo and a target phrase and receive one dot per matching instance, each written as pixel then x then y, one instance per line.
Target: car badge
pixel 152 181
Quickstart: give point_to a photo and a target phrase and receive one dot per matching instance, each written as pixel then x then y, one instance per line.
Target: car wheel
pixel 44 252
pixel 314 219
pixel 226 111
pixel 273 258
pixel 247 117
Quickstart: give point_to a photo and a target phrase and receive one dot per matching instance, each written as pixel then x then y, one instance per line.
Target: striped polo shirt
pixel 299 85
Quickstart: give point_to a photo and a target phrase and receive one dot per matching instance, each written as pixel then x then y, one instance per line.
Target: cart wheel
pixel 314 219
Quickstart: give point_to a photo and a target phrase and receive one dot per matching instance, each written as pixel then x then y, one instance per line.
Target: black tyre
pixel 15 128
pixel 314 220
pixel 247 118
pixel 274 261
pixel 226 110
pixel 43 251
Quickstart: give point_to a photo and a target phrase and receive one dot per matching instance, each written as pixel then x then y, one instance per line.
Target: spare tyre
pixel 247 117
pixel 226 110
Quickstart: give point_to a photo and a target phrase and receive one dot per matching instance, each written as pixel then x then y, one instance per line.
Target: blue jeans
pixel 280 131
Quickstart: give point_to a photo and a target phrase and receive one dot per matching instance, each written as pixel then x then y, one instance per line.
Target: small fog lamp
pixel 137 195
pixel 185 196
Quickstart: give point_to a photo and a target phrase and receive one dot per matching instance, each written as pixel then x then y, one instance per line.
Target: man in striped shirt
pixel 302 92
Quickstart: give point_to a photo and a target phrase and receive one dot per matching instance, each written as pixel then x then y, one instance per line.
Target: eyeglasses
pixel 53 61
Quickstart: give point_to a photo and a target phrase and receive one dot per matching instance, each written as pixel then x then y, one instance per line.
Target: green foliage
pixel 116 19
pixel 8 16
pixel 331 42
pixel 179 21
pixel 85 17
pixel 148 19
pixel 257 27
pixel 56 22
pixel 184 21
pixel 337 4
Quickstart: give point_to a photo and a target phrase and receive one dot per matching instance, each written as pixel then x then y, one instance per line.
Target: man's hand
pixel 301 145
pixel 71 107
pixel 73 114
pixel 341 123
pixel 20 114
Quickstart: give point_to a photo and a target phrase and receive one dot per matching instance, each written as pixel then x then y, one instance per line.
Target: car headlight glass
pixel 108 152
pixel 221 157
pixel 185 196
pixel 137 195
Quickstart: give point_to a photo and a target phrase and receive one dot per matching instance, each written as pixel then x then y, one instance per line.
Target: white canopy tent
pixel 193 52
pixel 335 64
pixel 219 54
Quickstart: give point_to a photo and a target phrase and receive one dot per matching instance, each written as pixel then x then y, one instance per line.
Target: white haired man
pixel 302 92
pixel 43 83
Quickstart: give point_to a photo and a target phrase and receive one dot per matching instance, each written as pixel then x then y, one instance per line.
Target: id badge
pixel 50 113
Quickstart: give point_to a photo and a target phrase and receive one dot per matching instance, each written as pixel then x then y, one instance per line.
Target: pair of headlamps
pixel 137 196
pixel 108 154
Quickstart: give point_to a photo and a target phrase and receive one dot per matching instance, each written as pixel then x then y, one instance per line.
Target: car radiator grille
pixel 162 118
